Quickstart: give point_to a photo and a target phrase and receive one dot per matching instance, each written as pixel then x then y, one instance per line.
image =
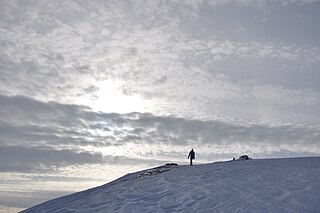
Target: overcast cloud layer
pixel 93 90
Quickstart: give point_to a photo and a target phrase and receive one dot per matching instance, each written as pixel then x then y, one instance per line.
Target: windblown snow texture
pixel 272 185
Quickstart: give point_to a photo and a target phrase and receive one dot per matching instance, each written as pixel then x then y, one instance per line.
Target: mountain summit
pixel 269 185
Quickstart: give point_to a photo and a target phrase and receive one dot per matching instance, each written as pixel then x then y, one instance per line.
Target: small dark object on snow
pixel 171 164
pixel 244 157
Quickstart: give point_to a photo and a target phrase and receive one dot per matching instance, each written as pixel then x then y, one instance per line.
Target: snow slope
pixel 270 185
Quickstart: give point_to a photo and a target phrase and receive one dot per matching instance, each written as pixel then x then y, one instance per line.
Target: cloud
pixel 34 159
pixel 199 86
pixel 183 132
pixel 46 159
pixel 158 54
pixel 23 199
pixel 49 134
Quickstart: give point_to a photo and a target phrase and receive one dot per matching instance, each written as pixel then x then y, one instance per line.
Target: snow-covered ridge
pixel 270 185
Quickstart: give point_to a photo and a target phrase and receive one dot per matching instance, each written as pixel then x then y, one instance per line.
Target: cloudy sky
pixel 92 90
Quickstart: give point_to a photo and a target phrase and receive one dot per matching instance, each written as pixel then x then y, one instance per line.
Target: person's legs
pixel 190 161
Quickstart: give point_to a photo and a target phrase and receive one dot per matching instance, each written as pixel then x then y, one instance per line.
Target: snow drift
pixel 270 185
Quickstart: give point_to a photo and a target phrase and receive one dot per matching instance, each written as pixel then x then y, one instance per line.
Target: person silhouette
pixel 192 156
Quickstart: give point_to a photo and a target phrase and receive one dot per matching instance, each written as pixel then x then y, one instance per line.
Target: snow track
pixel 273 185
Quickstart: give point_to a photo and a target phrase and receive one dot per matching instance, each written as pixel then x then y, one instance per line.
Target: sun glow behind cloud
pixel 110 98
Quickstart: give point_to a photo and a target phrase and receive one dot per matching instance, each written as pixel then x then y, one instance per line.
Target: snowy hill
pixel 270 185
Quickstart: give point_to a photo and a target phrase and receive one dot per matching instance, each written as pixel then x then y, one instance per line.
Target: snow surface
pixel 269 185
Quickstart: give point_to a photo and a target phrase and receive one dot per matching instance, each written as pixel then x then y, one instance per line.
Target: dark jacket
pixel 192 155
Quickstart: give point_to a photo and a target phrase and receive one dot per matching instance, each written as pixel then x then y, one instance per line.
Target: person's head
pixel 191 149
